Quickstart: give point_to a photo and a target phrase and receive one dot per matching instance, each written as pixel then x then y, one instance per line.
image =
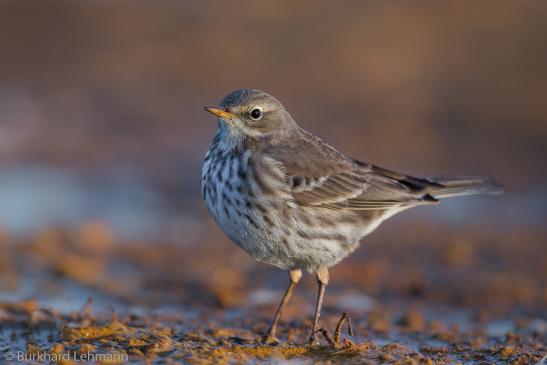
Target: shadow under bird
pixel 289 199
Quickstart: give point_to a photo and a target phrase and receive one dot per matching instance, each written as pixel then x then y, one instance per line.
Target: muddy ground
pixel 438 298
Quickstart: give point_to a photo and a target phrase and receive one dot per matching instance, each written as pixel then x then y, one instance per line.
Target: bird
pixel 289 199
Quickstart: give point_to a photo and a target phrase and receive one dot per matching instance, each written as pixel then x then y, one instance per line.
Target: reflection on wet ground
pixel 415 295
pixel 213 336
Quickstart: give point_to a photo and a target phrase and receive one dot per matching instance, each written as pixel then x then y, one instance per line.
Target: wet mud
pixel 82 292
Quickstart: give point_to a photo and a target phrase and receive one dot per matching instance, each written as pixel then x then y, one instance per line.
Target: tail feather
pixel 460 185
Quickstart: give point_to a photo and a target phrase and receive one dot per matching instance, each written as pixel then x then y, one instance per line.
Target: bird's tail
pixel 460 185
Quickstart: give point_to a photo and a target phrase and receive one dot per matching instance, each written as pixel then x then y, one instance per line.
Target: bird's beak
pixel 220 113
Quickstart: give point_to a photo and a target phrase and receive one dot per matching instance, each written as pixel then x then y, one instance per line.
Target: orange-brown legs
pixel 322 275
pixel 269 338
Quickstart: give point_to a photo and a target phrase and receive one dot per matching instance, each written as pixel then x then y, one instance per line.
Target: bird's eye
pixel 256 113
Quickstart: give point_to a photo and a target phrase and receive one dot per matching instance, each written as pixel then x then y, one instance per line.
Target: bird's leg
pixel 322 275
pixel 269 337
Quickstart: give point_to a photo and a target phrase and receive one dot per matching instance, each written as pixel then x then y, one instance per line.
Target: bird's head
pixel 248 113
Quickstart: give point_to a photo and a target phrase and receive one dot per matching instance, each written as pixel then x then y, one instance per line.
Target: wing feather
pixel 326 178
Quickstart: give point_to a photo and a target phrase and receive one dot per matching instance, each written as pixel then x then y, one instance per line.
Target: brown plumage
pixel 289 199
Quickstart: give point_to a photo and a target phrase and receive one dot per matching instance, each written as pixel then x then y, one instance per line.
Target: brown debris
pixel 209 318
pixel 84 333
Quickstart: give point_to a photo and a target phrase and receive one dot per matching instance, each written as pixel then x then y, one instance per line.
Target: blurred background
pixel 102 136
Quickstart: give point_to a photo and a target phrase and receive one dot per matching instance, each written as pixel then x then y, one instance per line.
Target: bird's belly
pixel 281 234
pixel 285 243
pixel 241 223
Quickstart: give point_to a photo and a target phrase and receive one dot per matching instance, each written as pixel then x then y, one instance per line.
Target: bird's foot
pixel 334 341
pixel 269 339
pixel 313 341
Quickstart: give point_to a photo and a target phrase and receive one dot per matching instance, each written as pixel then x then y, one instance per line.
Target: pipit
pixel 291 200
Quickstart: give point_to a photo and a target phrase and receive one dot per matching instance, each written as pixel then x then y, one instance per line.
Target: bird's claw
pixel 269 339
pixel 333 341
pixel 325 334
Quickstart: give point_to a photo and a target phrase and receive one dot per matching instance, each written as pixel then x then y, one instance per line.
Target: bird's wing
pixel 318 175
pixel 356 188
